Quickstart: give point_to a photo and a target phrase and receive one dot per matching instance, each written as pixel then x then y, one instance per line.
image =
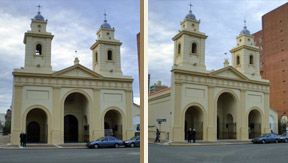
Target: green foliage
pixel 7 128
pixel 281 128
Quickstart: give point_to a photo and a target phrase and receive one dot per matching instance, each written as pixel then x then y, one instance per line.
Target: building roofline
pixel 275 9
pixel 162 90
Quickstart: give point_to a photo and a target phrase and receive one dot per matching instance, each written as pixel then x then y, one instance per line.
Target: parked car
pixel 133 142
pixel 267 138
pixel 284 138
pixel 106 141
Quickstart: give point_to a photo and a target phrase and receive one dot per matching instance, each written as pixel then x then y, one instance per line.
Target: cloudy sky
pixel 221 20
pixel 74 24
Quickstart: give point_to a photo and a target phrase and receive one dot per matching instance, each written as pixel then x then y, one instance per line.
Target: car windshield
pixel 264 135
pixel 133 138
pixel 102 138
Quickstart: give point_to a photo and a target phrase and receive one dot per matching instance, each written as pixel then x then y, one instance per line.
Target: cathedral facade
pixel 75 104
pixel 229 103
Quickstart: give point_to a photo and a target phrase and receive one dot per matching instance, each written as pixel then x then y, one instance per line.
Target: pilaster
pixel 16 115
pixel 212 114
pixel 177 114
pixel 56 134
pixel 96 124
pixel 242 119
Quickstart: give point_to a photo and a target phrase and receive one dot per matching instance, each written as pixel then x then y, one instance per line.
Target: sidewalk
pixel 201 142
pixel 44 146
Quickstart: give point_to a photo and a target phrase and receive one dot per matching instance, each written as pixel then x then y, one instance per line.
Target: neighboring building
pixel 136 118
pixel 75 104
pixel 229 103
pixel 157 87
pixel 2 119
pixel 2 122
pixel 273 43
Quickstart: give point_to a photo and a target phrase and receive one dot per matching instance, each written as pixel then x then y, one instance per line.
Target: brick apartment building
pixel 273 42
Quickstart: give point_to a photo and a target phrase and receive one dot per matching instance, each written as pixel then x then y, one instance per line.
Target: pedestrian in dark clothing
pixel 24 139
pixel 189 135
pixel 157 136
pixel 194 135
pixel 21 139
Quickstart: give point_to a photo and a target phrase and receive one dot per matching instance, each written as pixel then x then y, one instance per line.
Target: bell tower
pixel 189 45
pixel 106 51
pixel 38 46
pixel 245 56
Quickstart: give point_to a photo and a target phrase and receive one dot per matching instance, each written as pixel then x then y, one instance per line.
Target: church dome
pixel 39 17
pixel 245 31
pixel 106 25
pixel 190 15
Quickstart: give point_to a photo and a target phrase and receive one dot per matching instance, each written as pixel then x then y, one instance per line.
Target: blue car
pixel 106 141
pixel 133 142
pixel 284 138
pixel 267 138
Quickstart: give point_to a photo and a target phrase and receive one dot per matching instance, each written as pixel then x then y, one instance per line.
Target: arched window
pixel 38 49
pixel 238 60
pixel 96 57
pixel 179 48
pixel 194 48
pixel 109 55
pixel 251 59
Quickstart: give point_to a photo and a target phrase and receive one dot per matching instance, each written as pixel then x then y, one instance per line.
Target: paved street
pixel 71 155
pixel 250 153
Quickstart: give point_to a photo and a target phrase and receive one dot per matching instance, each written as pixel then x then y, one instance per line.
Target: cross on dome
pixel 190 15
pixel 190 7
pixel 105 24
pixel 39 7
pixel 105 16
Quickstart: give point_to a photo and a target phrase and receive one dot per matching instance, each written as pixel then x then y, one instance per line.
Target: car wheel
pixel 116 145
pixel 132 145
pixel 96 146
pixel 276 141
pixel 263 141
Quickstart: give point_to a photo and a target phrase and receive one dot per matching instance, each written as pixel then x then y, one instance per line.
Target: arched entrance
pixel 194 120
pixel 226 116
pixel 36 126
pixel 113 124
pixel 254 124
pixel 70 129
pixel 76 111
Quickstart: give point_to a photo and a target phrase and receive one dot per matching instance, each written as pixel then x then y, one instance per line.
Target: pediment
pixel 229 72
pixel 77 71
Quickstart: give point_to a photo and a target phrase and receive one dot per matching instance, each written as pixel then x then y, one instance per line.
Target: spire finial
pixel 76 54
pixel 105 20
pixel 190 7
pixel 39 8
pixel 245 23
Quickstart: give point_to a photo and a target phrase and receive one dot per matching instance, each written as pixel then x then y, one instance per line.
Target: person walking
pixel 24 139
pixel 157 136
pixel 194 135
pixel 21 139
pixel 189 135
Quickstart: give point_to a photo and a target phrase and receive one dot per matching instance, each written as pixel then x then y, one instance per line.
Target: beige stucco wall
pixel 159 108
pixel 49 94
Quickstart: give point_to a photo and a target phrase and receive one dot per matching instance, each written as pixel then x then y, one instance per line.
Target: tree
pixel 7 128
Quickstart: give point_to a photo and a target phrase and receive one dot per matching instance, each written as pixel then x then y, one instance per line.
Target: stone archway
pixel 226 116
pixel 76 123
pixel 254 123
pixel 194 120
pixel 113 122
pixel 37 126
